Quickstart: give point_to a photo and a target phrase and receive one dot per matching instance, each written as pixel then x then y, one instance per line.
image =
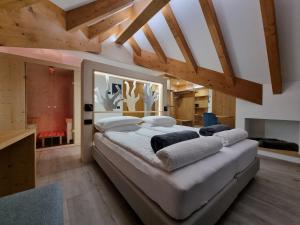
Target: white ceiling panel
pixel 193 25
pixel 165 37
pixel 70 4
pixel 242 28
pixel 142 41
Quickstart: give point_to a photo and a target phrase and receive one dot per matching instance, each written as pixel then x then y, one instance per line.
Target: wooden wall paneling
pixel 218 40
pixel 154 43
pixel 135 46
pixel 93 12
pixel 184 108
pixel 12 93
pixel 42 25
pixel 270 29
pixel 141 19
pixel 224 106
pixel 243 89
pixel 179 37
pixel 109 22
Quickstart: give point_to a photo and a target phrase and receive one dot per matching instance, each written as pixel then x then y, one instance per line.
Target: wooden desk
pixel 17 161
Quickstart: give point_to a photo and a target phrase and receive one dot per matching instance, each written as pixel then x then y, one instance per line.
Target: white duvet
pixel 182 191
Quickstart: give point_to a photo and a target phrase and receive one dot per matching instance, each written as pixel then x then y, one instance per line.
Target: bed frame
pixel 151 214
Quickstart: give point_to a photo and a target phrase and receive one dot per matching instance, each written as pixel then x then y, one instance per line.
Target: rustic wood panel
pixel 12 93
pixel 154 43
pixel 141 19
pixel 41 25
pixel 244 89
pixel 17 4
pixel 184 106
pixel 93 12
pixel 269 21
pixel 109 22
pixel 217 37
pixel 179 37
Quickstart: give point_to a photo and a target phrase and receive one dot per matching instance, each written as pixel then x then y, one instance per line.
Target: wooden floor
pixel 90 198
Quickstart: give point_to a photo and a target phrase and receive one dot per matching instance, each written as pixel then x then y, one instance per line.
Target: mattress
pixel 175 192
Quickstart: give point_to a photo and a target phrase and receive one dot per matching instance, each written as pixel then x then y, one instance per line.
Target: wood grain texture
pixel 109 22
pixel 218 40
pixel 107 34
pixel 270 29
pixel 93 12
pixel 272 198
pixel 141 19
pixel 179 37
pixel 154 43
pixel 17 4
pixel 41 25
pixel 17 161
pixel 243 89
pixel 135 46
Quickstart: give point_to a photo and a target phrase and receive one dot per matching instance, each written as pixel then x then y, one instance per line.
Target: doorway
pixel 50 104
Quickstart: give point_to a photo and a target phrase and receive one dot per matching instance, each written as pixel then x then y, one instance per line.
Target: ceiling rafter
pixel 109 22
pixel 218 40
pixel 141 19
pixel 93 12
pixel 108 33
pixel 244 89
pixel 154 43
pixel 135 46
pixel 42 19
pixel 179 37
pixel 270 30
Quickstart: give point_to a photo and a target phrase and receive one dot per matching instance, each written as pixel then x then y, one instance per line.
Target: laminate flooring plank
pixel 272 198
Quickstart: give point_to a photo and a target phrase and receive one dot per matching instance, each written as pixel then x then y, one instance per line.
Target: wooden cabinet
pixel 17 161
pixel 189 105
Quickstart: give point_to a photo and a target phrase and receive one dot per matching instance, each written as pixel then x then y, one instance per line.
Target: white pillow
pixel 117 121
pixel 159 120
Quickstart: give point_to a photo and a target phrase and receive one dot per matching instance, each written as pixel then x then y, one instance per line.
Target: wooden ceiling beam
pixel 179 37
pixel 243 89
pixel 218 40
pixel 135 47
pixel 269 21
pixel 141 19
pixel 42 26
pixel 109 22
pixel 17 4
pixel 93 12
pixel 108 33
pixel 154 43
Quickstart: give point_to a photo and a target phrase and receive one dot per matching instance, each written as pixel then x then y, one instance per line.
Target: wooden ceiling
pixel 41 24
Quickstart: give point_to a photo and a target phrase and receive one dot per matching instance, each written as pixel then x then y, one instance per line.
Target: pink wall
pixel 49 97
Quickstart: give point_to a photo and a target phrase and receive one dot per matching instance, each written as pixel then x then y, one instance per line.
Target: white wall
pixel 281 107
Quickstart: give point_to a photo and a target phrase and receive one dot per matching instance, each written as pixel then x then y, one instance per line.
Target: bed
pixel 195 194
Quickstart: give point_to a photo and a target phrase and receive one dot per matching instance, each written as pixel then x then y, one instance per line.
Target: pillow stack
pixel 109 123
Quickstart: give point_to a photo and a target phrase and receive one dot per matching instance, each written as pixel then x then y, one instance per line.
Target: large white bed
pixel 182 193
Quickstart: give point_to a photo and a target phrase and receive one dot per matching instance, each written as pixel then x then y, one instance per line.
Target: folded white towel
pixel 230 137
pixel 187 152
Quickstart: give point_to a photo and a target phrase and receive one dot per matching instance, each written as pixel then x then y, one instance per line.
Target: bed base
pixel 151 214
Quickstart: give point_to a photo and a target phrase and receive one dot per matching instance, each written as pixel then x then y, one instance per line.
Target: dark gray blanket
pixel 161 141
pixel 211 130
